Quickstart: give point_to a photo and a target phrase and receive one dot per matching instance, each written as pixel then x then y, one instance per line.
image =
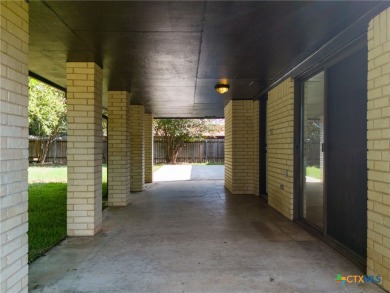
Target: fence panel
pixel 210 150
pixel 57 152
pixel 312 153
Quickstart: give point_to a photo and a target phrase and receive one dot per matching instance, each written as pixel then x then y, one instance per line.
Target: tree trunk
pixel 171 150
pixel 174 156
pixel 44 151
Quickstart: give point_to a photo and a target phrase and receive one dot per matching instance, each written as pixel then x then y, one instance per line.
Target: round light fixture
pixel 222 88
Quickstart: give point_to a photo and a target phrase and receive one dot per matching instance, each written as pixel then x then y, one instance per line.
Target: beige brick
pixel 137 148
pixel 256 147
pixel 148 134
pixel 118 148
pixel 280 138
pixel 13 145
pixel 378 144
pixel 84 148
pixel 240 159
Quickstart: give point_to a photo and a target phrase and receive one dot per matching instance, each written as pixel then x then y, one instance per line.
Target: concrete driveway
pixel 189 172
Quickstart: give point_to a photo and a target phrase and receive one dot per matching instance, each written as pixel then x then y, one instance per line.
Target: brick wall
pixel 378 124
pixel 13 146
pixel 84 102
pixel 280 147
pixel 137 148
pixel 228 113
pixel 148 130
pixel 256 147
pixel 239 146
pixel 118 148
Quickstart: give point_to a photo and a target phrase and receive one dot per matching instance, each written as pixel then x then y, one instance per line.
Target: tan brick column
pixel 118 148
pixel 256 147
pixel 378 145
pixel 84 99
pixel 239 146
pixel 280 148
pixel 137 148
pixel 148 130
pixel 14 37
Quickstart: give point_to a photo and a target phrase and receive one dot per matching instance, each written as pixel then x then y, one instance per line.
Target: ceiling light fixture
pixel 222 88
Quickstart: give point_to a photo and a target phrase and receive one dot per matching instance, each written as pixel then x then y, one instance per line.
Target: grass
pixel 313 172
pixel 47 217
pixel 46 174
pixel 47 207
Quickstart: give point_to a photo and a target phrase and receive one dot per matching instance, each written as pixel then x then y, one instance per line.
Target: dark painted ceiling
pixel 169 55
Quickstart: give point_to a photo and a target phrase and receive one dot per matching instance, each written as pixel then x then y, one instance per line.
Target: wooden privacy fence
pixel 210 150
pixel 312 153
pixel 57 151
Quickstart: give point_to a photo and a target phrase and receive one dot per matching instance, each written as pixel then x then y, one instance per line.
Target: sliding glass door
pixel 313 159
pixel 333 153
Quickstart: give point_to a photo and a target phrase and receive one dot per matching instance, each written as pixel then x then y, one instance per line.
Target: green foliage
pixel 46 109
pixel 175 132
pixel 105 122
pixel 46 113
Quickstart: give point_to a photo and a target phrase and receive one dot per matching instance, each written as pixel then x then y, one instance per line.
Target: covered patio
pixel 297 72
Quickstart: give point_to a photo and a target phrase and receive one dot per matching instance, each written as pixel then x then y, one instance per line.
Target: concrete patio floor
pixel 189 172
pixel 193 236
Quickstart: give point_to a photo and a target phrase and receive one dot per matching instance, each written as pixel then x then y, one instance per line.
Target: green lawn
pixel 47 207
pixel 47 217
pixel 313 172
pixel 46 174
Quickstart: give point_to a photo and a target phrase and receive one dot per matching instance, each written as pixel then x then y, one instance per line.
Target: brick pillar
pixel 280 148
pixel 256 147
pixel 13 145
pixel 239 146
pixel 84 99
pixel 14 38
pixel 148 130
pixel 137 148
pixel 378 145
pixel 118 148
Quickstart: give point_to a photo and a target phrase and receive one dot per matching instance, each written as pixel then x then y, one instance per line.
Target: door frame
pixel 263 159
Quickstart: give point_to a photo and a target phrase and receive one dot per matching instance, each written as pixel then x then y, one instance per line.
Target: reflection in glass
pixel 313 157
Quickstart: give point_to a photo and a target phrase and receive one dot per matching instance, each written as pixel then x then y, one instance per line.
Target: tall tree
pixel 46 114
pixel 175 132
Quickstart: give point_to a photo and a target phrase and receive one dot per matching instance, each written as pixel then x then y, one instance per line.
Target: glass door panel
pixel 313 156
